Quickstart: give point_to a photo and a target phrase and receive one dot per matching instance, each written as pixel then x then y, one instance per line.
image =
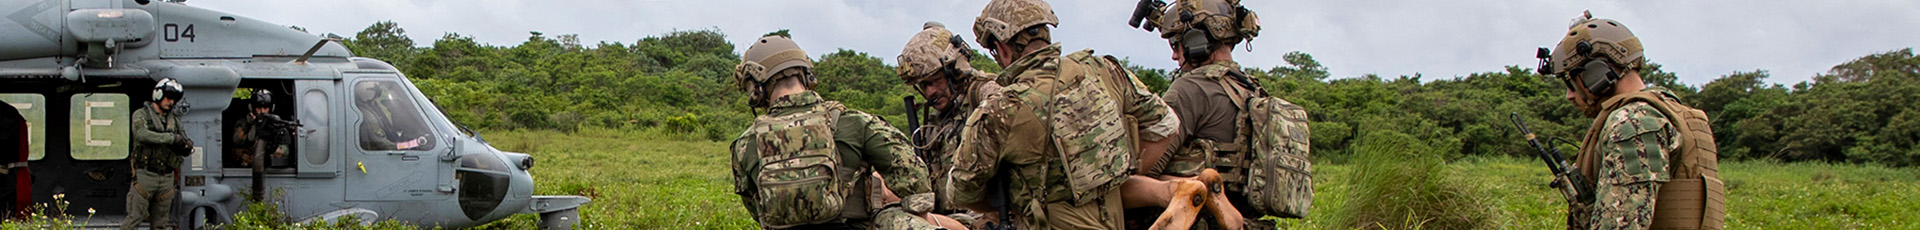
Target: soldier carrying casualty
pixel 1229 123
pixel 1064 132
pixel 807 163
pixel 1653 160
pixel 936 63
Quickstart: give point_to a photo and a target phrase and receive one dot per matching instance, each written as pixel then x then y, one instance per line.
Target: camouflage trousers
pixel 150 200
pixel 896 218
pixel 891 218
pixel 1104 213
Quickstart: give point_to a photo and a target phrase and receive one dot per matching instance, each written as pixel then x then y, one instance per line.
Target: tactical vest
pixel 1091 128
pixel 800 180
pixel 1694 198
pixel 166 157
pixel 1268 158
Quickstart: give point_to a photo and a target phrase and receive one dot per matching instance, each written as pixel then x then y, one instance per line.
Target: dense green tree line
pixel 1861 111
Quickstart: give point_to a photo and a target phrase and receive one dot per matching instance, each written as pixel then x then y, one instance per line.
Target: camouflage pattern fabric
pixel 895 218
pixel 1012 134
pixel 1258 143
pixel 154 146
pixel 860 143
pixel 942 139
pixel 1628 155
pixel 1279 174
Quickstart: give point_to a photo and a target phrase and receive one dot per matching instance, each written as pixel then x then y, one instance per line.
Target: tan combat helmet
pixel 771 58
pixel 1215 21
pixel 1592 52
pixel 1002 20
pixel 933 52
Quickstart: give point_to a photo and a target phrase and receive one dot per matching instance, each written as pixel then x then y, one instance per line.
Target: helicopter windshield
pixel 392 120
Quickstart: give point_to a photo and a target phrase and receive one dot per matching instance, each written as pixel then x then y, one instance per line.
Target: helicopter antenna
pixel 316 48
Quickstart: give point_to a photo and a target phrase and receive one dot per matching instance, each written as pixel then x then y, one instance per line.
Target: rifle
pixel 914 111
pixel 1563 175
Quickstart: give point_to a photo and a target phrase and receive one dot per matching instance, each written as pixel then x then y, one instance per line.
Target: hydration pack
pixel 799 180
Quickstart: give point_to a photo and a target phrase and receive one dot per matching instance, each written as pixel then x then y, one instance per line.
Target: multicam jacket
pixel 1629 152
pixel 1007 136
pixel 940 138
pixel 865 143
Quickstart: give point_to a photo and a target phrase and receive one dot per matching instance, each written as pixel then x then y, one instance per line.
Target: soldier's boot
pixel 1188 198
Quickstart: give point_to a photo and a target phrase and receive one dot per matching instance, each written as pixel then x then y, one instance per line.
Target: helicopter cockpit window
pixel 390 120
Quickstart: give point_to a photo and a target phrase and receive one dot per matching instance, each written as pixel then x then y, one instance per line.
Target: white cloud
pixel 1700 40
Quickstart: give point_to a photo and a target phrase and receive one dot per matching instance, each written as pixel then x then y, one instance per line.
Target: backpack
pixel 1091 128
pixel 1268 160
pixel 1694 198
pixel 799 181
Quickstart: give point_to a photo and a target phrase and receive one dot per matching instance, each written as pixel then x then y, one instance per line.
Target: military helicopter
pixel 78 68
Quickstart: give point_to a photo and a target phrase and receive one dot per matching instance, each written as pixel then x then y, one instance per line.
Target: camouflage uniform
pixel 1008 137
pixel 935 54
pixel 1629 161
pixel 155 156
pixel 869 144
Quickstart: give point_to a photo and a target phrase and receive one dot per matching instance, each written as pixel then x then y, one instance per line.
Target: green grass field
pixel 639 181
pixel 643 181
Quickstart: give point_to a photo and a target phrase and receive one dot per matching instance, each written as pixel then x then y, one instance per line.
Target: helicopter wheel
pixel 560 220
pixel 201 218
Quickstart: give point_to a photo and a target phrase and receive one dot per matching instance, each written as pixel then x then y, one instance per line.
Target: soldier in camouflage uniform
pixel 1007 138
pixel 1628 148
pixel 937 64
pixel 868 145
pixel 159 145
pixel 1206 93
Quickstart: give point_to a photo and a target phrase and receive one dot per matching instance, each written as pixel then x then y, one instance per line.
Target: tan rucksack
pixel 799 178
pixel 1091 128
pixel 1694 198
pixel 1269 161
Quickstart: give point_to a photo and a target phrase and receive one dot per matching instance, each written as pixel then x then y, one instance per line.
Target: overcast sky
pixel 1699 40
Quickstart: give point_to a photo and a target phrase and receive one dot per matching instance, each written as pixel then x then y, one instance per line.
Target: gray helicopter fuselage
pixel 370 143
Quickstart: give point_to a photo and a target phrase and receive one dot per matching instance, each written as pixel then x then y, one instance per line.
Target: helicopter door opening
pixel 269 128
pixel 398 157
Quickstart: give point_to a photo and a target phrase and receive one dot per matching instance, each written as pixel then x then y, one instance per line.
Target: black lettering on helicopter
pixel 173 32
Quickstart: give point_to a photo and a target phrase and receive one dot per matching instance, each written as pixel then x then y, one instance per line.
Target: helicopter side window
pixel 34 108
pixel 389 119
pixel 101 125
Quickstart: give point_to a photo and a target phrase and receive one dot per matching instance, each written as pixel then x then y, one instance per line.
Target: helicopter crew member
pixel 245 133
pixel 158 148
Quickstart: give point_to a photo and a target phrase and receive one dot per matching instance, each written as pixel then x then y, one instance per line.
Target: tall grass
pixel 1402 183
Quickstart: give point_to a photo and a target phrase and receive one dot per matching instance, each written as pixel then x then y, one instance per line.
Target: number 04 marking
pixel 173 32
